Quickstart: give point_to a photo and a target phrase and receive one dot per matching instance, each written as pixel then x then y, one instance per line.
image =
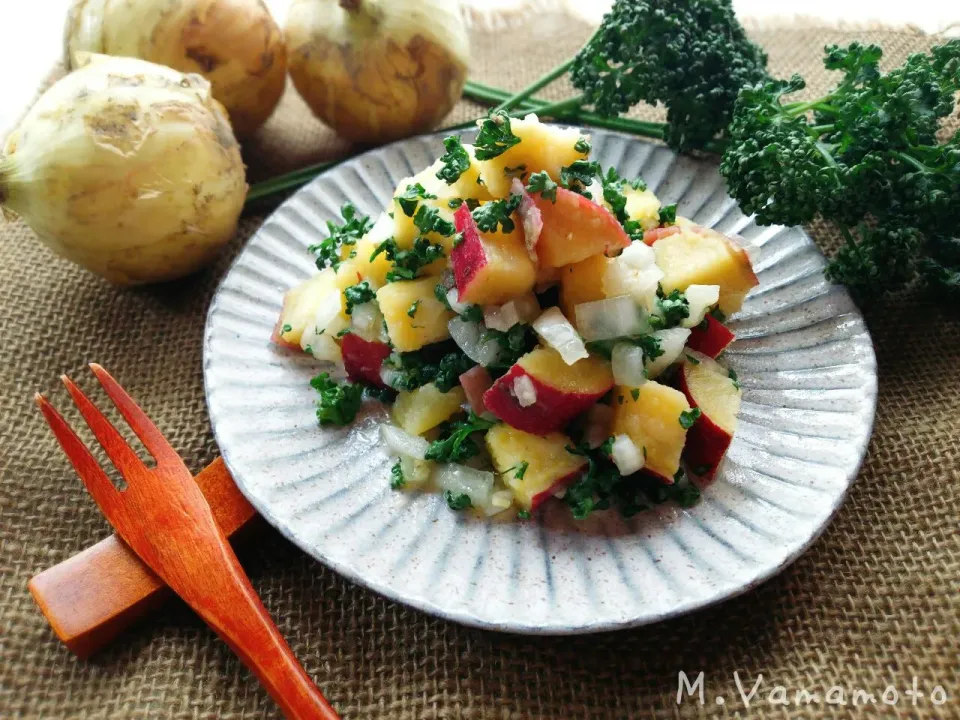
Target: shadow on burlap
pixel 874 602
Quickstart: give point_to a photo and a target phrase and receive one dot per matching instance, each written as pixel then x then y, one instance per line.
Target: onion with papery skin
pixel 127 168
pixel 377 70
pixel 235 44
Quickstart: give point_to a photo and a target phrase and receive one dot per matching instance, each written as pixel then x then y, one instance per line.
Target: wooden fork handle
pixel 240 619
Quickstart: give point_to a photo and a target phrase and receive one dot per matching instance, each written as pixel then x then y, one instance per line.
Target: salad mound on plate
pixel 542 327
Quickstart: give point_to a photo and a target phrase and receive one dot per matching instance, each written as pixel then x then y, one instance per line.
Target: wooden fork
pixel 164 518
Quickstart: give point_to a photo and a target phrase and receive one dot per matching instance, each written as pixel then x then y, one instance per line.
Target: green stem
pixel 903 157
pixel 799 108
pixel 533 87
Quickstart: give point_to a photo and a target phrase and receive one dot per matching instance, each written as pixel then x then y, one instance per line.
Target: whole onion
pixel 377 70
pixel 127 168
pixel 235 44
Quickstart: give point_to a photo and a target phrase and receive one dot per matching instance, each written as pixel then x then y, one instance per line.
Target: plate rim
pixel 385 589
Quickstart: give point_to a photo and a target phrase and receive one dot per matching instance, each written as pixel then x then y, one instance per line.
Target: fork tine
pixel 97 482
pixel 153 440
pixel 110 439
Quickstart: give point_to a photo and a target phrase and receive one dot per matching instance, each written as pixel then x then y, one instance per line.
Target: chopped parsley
pixel 650 344
pixel 718 315
pixel 635 394
pixel 497 212
pixel 427 219
pixel 414 369
pixel 411 197
pixel 412 310
pixel 523 515
pixel 693 360
pixel 353 228
pixel 450 368
pixel 668 214
pixel 732 374
pixel 472 313
pixel 689 417
pixel 495 136
pixel 397 480
pixel 407 264
pixel 339 402
pixel 440 293
pixel 578 175
pixel 521 470
pixel 455 203
pixel 542 183
pixel 286 328
pixel 582 145
pixel 455 160
pixel 674 309
pixel 514 343
pixel 455 442
pixel 457 501
pixel 358 295
pixel 515 172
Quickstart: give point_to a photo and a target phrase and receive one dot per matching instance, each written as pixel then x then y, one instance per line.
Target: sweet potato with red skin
pixel 562 391
pixel 651 236
pixel 711 340
pixel 362 359
pixel 490 268
pixel 708 387
pixel 575 228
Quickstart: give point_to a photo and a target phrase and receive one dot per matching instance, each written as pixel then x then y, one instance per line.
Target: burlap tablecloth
pixel 875 602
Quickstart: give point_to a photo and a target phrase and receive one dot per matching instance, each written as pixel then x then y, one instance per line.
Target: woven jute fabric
pixel 874 603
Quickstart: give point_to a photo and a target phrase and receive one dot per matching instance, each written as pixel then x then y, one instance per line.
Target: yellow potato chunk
pixel 413 314
pixel 300 305
pixel 652 421
pixel 643 206
pixel 426 407
pixel 582 282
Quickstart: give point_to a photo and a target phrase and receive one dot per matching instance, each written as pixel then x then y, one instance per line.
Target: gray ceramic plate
pixel 803 355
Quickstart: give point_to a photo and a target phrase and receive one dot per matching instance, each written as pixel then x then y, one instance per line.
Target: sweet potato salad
pixel 542 327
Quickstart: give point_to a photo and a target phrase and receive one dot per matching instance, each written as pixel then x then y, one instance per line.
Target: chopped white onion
pixel 628 365
pixel 557 332
pixel 626 455
pixel 522 309
pixel 453 299
pixel 638 255
pixel 320 335
pixel 469 337
pixel 530 217
pixel 415 472
pixel 595 192
pixel 403 443
pixel 701 298
pixel 599 419
pixel 501 499
pixel 621 277
pixel 610 318
pixel 524 391
pixel 389 376
pixel 672 342
pixel 367 321
pixel 463 480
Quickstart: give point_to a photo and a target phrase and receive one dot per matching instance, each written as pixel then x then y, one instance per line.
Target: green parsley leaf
pixel 542 183
pixel 411 197
pixel 689 417
pixel 693 360
pixel 497 212
pixel 450 368
pixel 523 515
pixel 358 295
pixel 514 343
pixel 397 480
pixel 578 175
pixel 427 219
pixel 287 327
pixel 412 310
pixel 495 136
pixel 635 394
pixel 455 442
pixel 339 402
pixel 521 470
pixel 407 264
pixel 458 501
pixel 440 293
pixel 582 145
pixel 668 214
pixel 515 172
pixel 472 313
pixel 718 315
pixel 353 228
pixel 455 160
pixel 674 308
pixel 732 374
pixel 650 345
pixel 455 203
